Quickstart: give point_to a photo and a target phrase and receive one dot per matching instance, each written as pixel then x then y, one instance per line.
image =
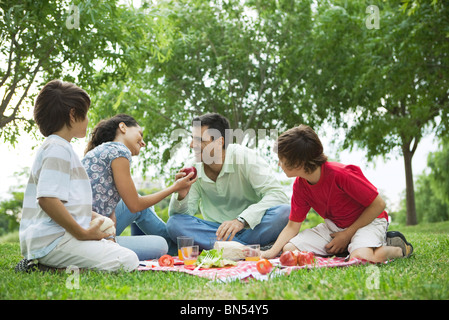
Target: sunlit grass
pixel 423 276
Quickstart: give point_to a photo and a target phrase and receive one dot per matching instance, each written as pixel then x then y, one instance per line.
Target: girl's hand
pixel 183 183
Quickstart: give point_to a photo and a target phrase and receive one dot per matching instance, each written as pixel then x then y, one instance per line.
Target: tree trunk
pixel 409 185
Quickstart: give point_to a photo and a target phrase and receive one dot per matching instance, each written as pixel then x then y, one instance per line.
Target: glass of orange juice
pixel 190 254
pixel 183 241
pixel 252 252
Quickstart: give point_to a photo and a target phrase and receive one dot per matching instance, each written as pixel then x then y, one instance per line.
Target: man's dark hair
pixel 215 121
pixel 55 102
pixel 301 147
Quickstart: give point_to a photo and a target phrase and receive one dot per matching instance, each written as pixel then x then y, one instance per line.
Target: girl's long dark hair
pixel 106 130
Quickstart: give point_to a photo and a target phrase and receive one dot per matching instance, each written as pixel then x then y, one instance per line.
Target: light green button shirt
pixel 246 188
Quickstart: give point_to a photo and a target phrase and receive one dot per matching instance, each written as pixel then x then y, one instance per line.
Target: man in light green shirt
pixel 236 192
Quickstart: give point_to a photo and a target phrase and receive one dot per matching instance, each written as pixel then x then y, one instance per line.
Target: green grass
pixel 423 276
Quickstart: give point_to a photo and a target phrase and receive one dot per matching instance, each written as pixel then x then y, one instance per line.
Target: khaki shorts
pixel 103 255
pixel 372 235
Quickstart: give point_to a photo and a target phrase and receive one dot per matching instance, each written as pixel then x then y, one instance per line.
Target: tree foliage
pixel 432 189
pixel 11 208
pixel 390 83
pixel 265 64
pixel 86 42
pixel 438 163
pixel 245 61
pixel 10 212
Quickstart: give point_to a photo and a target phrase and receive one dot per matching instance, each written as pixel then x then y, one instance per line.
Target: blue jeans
pixel 156 241
pixel 267 231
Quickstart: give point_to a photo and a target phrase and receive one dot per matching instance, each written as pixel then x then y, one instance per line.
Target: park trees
pixel 265 64
pixel 87 42
pixel 275 64
pixel 392 83
pixel 246 60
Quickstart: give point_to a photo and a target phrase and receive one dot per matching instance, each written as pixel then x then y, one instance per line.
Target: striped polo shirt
pixel 57 172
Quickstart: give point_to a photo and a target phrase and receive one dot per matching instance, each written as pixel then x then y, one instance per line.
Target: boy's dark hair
pixel 55 102
pixel 106 130
pixel 301 147
pixel 215 121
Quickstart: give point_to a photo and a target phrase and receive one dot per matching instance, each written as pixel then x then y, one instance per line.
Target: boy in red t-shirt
pixel 353 211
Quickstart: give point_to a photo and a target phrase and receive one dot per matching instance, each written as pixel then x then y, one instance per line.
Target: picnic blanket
pixel 246 270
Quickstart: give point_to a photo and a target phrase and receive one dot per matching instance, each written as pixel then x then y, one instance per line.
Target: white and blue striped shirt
pixel 56 173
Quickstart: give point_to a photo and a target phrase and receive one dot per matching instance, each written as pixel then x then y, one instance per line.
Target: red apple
pixel 310 258
pixel 188 170
pixel 305 257
pixel 288 259
pixel 264 266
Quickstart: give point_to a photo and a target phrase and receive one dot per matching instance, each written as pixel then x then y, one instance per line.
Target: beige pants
pixel 103 255
pixel 314 239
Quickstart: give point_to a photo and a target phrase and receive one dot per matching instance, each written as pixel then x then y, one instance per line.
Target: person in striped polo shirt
pixel 57 209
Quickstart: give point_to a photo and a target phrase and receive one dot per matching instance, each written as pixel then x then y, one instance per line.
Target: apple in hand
pixel 288 259
pixel 188 170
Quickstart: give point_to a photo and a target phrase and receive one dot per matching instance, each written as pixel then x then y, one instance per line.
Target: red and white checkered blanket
pixel 245 270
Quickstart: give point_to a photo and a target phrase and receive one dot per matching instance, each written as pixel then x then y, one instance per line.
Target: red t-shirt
pixel 341 195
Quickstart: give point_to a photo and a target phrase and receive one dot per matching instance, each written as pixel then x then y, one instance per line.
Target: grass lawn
pixel 423 276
